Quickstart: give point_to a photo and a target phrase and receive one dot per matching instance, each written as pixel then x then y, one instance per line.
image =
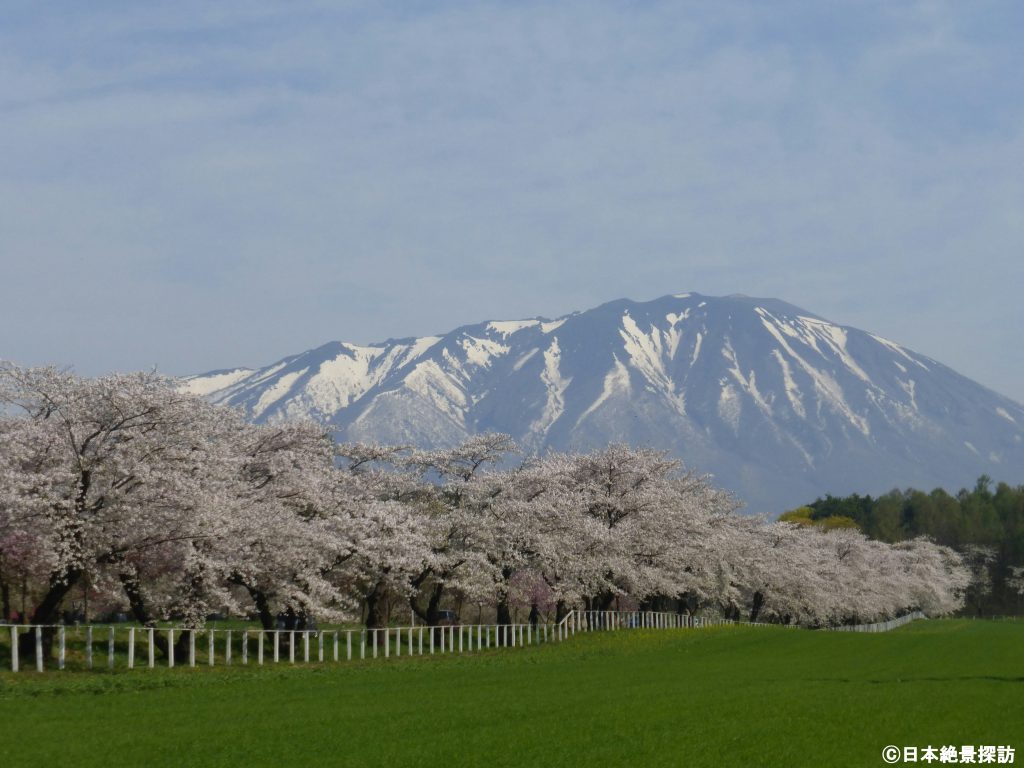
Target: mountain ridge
pixel 780 404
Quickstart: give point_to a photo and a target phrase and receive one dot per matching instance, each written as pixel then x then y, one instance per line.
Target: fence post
pixel 227 649
pixel 170 648
pixel 373 641
pixel 305 647
pixel 348 645
pixel 431 639
pixel 335 645
pixel 319 646
pixel 362 644
pixel 245 647
pixel 210 634
pixel 14 649
pixel 39 648
pixel 152 654
pixel 277 646
pixel 387 644
pixel 131 647
pixel 259 648
pixel 60 647
pixel 110 649
pixel 291 646
pixel 191 647
pixel 88 647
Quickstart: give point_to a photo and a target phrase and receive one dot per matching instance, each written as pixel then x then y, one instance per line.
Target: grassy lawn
pixel 716 697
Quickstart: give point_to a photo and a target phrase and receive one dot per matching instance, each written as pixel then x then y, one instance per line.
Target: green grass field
pixel 718 697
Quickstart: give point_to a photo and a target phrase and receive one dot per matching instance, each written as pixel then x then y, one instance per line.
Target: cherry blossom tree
pixel 463 486
pixel 636 520
pixel 107 468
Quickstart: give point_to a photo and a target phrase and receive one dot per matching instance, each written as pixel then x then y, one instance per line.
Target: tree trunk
pixel 504 610
pixel 755 609
pixel 262 603
pixel 5 600
pixel 504 619
pixel 687 603
pixel 429 614
pixel 561 611
pixel 48 612
pixel 142 614
pixel 376 604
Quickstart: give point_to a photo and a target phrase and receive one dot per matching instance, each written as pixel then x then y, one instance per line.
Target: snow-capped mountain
pixel 778 403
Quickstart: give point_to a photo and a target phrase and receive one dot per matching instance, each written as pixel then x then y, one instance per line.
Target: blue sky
pixel 199 187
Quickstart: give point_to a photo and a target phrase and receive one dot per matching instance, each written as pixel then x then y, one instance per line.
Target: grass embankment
pixel 717 697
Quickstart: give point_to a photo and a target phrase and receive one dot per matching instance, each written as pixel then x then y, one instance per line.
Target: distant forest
pixel 986 526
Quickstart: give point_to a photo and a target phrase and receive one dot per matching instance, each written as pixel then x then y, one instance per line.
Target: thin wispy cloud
pixel 201 187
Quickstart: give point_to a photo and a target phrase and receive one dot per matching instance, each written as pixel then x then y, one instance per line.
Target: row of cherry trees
pixel 175 506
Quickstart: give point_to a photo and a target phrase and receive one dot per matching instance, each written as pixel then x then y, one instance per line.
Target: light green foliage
pixel 805 516
pixel 839 521
pixel 799 516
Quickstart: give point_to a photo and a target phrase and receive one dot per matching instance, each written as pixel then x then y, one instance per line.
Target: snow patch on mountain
pixel 789 383
pixel 214 382
pixel 648 354
pixel 898 350
pixel 481 352
pixel 428 380
pixel 616 382
pixel 730 407
pixel 824 383
pixel 508 327
pixel 555 384
pixel 836 338
pixel 524 359
pixel 278 390
pixel 749 385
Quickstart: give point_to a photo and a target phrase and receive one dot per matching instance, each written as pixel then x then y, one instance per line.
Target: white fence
pixel 882 626
pixel 258 646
